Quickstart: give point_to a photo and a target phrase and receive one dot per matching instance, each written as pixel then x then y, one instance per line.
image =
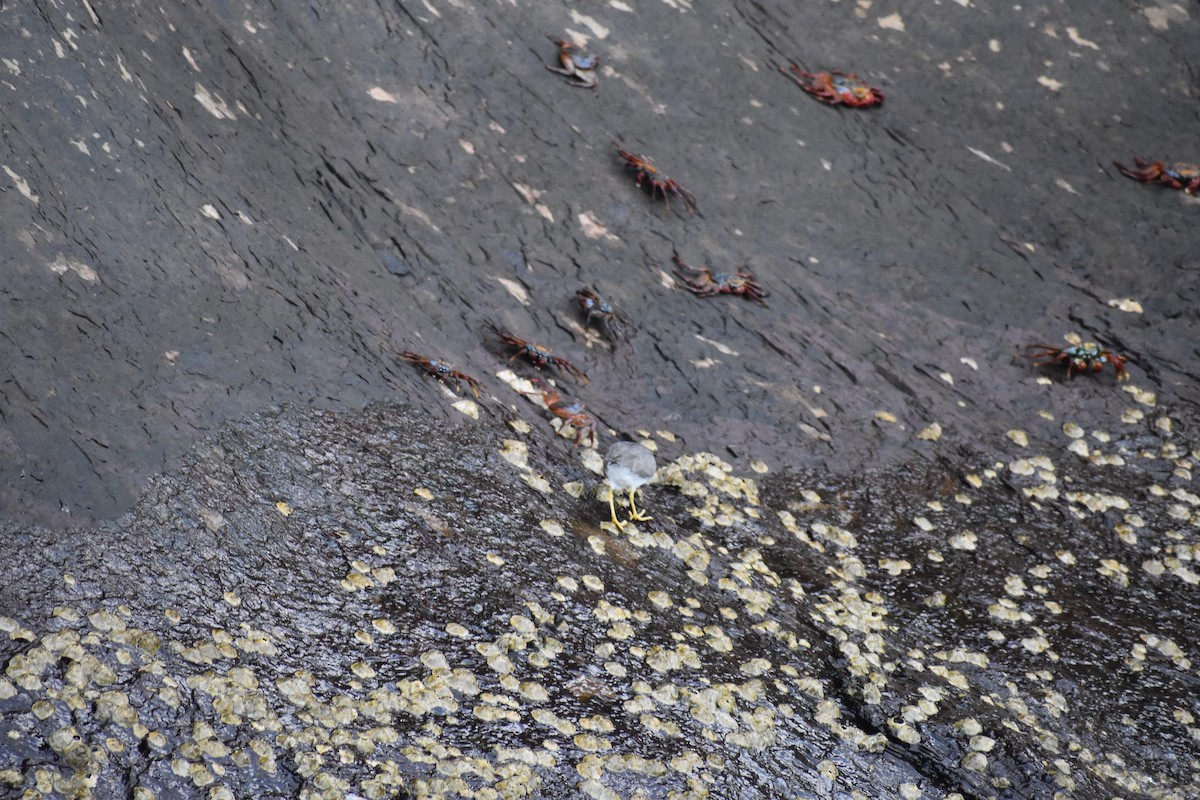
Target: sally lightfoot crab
pixel 657 183
pixel 436 368
pixel 578 68
pixel 835 88
pixel 1086 357
pixel 1176 174
pixel 594 306
pixel 571 413
pixel 703 282
pixel 535 354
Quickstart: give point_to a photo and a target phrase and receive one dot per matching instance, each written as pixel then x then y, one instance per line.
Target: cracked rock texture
pixel 913 564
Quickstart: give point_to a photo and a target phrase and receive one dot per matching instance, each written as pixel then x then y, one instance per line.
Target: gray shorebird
pixel 628 465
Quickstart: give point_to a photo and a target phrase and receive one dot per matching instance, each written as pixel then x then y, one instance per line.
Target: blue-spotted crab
pixel 578 68
pixel 536 354
pixel 1086 357
pixel 706 283
pixel 1175 174
pixel 612 320
pixel 835 88
pixel 436 368
pixel 658 183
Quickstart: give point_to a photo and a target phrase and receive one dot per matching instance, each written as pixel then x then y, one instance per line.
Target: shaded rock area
pixel 888 557
pixel 374 605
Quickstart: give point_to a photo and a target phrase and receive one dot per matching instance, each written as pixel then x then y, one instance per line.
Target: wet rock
pixel 378 604
pixel 217 210
pixel 952 573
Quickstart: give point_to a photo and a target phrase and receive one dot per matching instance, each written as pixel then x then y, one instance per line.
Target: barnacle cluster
pixel 652 663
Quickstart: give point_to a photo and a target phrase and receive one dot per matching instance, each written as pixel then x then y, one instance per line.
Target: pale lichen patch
pixel 1018 437
pixel 930 433
pixel 966 540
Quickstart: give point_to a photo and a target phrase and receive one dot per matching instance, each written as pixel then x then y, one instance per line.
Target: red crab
pixel 536 354
pixel 1176 174
pixel 835 88
pixel 436 368
pixel 1078 358
pixel 573 414
pixel 611 319
pixel 658 182
pixel 709 284
pixel 578 68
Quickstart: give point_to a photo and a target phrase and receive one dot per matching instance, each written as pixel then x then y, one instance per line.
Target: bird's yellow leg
pixel 613 507
pixel 634 513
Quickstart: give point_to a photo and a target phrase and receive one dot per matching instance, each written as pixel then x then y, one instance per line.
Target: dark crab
pixel 658 183
pixel 1086 357
pixel 571 413
pixel 706 283
pixel 578 68
pixel 612 321
pixel 436 368
pixel 534 353
pixel 835 88
pixel 1176 174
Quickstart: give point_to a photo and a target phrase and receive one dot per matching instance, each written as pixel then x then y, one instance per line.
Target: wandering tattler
pixel 628 465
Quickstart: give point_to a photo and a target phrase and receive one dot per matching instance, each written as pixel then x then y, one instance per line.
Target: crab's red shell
pixel 1082 358
pixel 658 183
pixel 1176 174
pixel 571 413
pixel 835 88
pixel 703 282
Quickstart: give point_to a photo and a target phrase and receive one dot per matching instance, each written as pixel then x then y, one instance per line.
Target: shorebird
pixel 628 465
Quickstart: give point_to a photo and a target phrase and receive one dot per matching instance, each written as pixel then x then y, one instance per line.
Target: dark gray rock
pixel 360 605
pixel 215 211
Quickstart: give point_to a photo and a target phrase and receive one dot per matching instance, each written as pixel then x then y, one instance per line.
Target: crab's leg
pixel 689 200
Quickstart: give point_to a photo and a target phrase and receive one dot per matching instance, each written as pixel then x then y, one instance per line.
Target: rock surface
pixel 916 566
pixel 374 605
